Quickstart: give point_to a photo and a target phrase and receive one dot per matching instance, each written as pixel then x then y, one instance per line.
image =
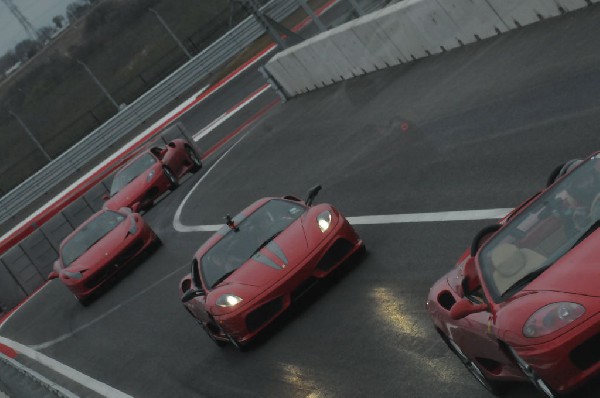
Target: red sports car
pixel 143 179
pixel 100 248
pixel 523 302
pixel 250 271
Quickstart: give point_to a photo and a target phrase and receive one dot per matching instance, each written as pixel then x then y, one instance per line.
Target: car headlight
pixel 551 318
pixel 228 300
pixel 72 275
pixel 324 221
pixel 150 176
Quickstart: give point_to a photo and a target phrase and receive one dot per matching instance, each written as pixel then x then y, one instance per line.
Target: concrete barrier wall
pixel 401 33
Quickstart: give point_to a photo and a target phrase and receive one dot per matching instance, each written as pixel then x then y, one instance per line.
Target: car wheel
pixel 493 387
pixel 219 343
pixel 196 162
pixel 532 376
pixel 173 183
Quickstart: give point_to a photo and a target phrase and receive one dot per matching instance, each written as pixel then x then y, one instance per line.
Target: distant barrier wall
pixel 401 33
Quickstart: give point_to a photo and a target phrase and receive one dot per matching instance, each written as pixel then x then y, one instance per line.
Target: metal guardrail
pixel 140 110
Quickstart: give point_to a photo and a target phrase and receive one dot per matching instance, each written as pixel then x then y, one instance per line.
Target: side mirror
pixel 52 275
pixel 126 210
pixel 105 197
pixel 464 308
pixel 312 194
pixel 190 294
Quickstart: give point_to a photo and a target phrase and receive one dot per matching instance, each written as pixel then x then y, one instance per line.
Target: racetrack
pixel 474 129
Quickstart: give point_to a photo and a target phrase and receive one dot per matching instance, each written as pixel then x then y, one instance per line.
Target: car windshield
pixel 131 171
pixel 543 232
pixel 235 248
pixel 88 235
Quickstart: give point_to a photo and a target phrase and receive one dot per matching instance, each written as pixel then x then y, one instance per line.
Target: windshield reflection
pixel 543 232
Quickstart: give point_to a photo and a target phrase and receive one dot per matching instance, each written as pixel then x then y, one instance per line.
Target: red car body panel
pixel 140 193
pixel 108 257
pixel 268 291
pixel 562 359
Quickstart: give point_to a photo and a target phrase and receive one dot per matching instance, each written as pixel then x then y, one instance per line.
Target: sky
pixel 38 12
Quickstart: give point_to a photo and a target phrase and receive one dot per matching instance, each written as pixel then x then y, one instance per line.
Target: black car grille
pixel 99 276
pixel 336 252
pixel 262 314
pixel 587 354
pixel 129 252
pixel 123 257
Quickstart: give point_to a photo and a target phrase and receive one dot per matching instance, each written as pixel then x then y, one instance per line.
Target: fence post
pixel 31 261
pixel 14 278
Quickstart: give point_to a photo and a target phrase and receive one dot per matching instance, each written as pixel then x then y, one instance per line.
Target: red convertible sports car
pixel 100 248
pixel 523 302
pixel 143 179
pixel 265 257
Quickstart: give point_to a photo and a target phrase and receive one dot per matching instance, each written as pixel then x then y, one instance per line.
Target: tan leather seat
pixel 511 263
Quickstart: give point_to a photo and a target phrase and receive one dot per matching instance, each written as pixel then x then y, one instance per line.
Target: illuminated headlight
pixel 150 176
pixel 72 275
pixel 324 221
pixel 551 318
pixel 228 300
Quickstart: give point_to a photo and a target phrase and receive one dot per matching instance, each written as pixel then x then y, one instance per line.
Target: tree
pixel 27 49
pixel 7 61
pixel 77 10
pixel 46 32
pixel 58 21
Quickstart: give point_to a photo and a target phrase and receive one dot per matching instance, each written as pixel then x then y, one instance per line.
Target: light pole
pixel 95 79
pixel 164 24
pixel 30 134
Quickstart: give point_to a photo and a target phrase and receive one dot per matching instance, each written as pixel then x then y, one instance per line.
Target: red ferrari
pixel 157 170
pixel 100 248
pixel 523 302
pixel 250 271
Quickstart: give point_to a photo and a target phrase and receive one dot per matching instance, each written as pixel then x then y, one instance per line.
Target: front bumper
pixel 569 360
pixel 246 322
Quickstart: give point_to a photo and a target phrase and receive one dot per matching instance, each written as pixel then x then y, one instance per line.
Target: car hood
pixel 280 257
pixel 577 272
pixel 104 250
pixel 130 193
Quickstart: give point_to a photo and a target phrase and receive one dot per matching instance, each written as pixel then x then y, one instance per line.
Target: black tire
pixel 218 343
pixel 476 243
pixel 537 381
pixel 84 301
pixel 173 183
pixel 494 387
pixel 194 158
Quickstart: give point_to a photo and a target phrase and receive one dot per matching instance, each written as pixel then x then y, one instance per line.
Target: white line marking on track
pixel 179 227
pixel 224 117
pixel 107 313
pixel 22 304
pixel 75 375
pixel 462 215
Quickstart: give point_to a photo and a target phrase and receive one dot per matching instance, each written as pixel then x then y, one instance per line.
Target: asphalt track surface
pixel 477 128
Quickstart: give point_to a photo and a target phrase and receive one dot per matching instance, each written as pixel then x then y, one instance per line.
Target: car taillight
pixel 551 318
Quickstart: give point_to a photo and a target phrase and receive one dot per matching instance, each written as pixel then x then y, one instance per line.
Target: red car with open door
pixel 523 303
pixel 146 177
pixel 101 248
pixel 250 271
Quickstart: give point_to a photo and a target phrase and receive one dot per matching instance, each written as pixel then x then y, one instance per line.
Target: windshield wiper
pixel 266 242
pixel 587 233
pixel 525 280
pixel 223 277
